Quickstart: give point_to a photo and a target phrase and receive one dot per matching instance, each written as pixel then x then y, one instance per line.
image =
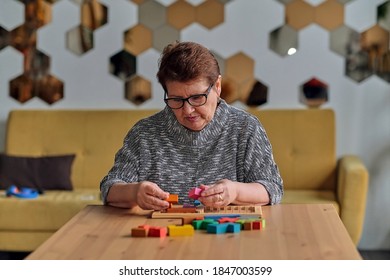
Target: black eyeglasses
pixel 194 100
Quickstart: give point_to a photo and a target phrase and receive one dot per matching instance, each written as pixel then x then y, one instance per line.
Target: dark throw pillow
pixel 41 173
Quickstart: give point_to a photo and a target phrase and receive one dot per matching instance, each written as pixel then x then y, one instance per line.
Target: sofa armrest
pixel 352 186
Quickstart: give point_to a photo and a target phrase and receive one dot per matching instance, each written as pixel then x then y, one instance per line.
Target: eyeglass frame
pixel 206 94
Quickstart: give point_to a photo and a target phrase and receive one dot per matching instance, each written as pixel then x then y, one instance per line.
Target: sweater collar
pixel 196 138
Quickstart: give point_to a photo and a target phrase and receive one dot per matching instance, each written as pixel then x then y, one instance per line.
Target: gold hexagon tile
pixel 50 89
pixel 21 88
pixel 138 90
pixel 239 67
pixel 180 14
pixel 244 88
pixel 138 39
pixel 375 40
pixel 329 14
pixel 37 13
pixel 299 14
pixel 229 90
pixel 93 14
pixel 210 13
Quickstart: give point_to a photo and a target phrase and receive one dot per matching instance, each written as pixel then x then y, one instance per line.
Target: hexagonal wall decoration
pixel 79 39
pixel 210 13
pixel 327 8
pixel 123 65
pixel 284 40
pixel 180 14
pixel 151 14
pixel 36 80
pixel 383 15
pixel 93 15
pixel 299 14
pixel 138 39
pixel 138 90
pixel 4 38
pixel 313 93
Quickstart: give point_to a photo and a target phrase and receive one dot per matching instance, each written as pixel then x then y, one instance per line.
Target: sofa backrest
pixel 303 141
pixel 94 136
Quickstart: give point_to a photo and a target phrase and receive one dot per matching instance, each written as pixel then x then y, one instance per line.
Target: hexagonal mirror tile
pixel 210 13
pixel 123 65
pixel 357 66
pixel 229 91
pixel 258 94
pixel 239 67
pixel 37 13
pixel 4 38
pixel 284 40
pixel 49 89
pixel 23 38
pixel 180 14
pixel 313 93
pixel 329 14
pixel 344 40
pixel 138 90
pixel 93 14
pixel 383 15
pixel 36 64
pixel 383 69
pixel 79 40
pixel 299 14
pixel 151 14
pixel 138 39
pixel 21 88
pixel 164 35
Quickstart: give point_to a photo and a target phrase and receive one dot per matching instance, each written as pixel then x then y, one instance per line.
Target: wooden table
pixel 293 231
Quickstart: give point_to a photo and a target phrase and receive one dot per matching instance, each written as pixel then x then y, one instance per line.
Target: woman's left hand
pixel 221 193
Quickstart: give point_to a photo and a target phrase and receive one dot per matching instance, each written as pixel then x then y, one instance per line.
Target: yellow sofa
pixel 303 143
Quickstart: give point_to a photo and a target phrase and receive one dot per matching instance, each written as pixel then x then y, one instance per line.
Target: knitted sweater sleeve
pixel 126 164
pixel 259 162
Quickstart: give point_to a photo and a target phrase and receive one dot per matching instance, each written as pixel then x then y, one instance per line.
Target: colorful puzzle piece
pixel 202 224
pixel 157 232
pixel 149 231
pixel 228 220
pixel 184 230
pixel 173 199
pixel 194 193
pixel 223 228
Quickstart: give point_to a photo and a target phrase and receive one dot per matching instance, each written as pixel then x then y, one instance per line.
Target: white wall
pixel 362 109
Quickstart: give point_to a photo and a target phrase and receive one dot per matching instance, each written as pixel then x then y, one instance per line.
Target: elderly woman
pixel 197 140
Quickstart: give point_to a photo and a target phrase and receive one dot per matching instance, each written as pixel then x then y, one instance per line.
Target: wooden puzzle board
pixel 247 210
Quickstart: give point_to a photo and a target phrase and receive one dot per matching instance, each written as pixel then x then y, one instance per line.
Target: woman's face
pixel 194 118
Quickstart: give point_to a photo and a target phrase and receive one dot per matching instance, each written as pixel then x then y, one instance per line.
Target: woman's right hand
pixel 149 196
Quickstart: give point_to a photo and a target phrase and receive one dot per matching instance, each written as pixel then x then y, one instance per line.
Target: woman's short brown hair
pixel 187 61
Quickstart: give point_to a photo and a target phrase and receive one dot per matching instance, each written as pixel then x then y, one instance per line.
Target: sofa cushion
pixel 48 212
pixel 42 173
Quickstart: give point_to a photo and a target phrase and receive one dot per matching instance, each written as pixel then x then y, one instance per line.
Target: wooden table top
pixel 293 231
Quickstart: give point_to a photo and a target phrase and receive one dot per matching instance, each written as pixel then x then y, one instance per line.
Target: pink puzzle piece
pixel 194 193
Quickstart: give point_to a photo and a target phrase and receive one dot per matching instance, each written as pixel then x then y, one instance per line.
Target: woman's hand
pixel 149 196
pixel 221 193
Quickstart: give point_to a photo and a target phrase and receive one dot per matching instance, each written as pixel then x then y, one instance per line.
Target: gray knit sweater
pixel 232 146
